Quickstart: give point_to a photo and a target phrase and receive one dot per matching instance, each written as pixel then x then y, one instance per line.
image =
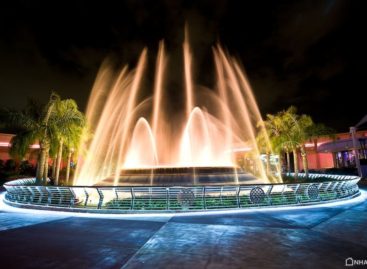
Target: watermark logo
pixel 350 262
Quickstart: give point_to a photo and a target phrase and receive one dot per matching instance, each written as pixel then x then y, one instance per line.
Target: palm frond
pixel 21 142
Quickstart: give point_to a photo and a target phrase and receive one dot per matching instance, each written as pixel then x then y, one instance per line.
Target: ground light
pixel 349 202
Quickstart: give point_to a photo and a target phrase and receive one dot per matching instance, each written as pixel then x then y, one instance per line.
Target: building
pixel 5 140
pixel 336 152
pixel 339 151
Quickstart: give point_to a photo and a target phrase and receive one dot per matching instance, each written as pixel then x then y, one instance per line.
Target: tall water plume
pixel 132 130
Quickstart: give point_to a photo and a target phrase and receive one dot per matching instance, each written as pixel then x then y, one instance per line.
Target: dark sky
pixel 305 53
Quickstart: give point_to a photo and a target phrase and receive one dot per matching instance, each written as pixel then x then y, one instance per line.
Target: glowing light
pixel 134 130
pixel 6 144
pixel 311 145
pixel 166 216
pixel 188 78
pixel 35 146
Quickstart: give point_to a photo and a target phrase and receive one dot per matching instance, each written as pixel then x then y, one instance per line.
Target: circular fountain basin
pixel 170 199
pixel 181 176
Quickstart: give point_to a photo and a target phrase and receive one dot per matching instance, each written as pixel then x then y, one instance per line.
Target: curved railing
pixel 25 193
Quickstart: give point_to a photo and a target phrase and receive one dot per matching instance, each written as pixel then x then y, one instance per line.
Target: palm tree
pixel 69 123
pixel 31 125
pixel 287 131
pixel 273 127
pixel 296 131
pixel 70 152
pixel 72 144
pixel 50 125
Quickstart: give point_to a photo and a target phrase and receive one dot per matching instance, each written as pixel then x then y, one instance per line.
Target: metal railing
pixel 24 192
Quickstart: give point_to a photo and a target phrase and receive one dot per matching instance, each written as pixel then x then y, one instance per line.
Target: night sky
pixel 310 54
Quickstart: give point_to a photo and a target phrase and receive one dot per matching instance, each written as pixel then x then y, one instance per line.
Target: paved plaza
pixel 321 237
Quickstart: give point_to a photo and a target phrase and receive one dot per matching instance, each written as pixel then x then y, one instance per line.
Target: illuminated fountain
pixel 149 153
pixel 135 133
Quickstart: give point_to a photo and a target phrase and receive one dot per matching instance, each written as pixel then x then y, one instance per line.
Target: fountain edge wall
pixel 110 199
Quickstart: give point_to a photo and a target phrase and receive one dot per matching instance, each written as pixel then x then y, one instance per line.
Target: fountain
pixel 134 131
pixel 150 153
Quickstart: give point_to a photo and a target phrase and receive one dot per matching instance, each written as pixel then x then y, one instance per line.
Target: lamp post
pixel 358 164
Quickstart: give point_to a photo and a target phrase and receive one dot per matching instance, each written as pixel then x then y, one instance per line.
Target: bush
pixel 9 170
pixel 26 168
pixel 10 165
pixel 342 171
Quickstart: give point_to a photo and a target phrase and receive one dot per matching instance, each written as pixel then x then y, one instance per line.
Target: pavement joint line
pixel 339 213
pixel 136 253
pixel 326 220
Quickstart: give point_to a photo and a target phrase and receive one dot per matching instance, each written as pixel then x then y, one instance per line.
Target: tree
pixel 296 131
pixel 273 127
pixel 32 125
pixel 287 131
pixel 69 123
pixel 318 130
pixel 48 125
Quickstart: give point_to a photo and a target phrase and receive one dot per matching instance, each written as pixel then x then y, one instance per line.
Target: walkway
pixel 320 237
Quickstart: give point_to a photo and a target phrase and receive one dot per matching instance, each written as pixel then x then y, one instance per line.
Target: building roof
pixel 340 145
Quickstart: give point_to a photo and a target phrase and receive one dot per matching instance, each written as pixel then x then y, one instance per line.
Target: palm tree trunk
pixel 288 162
pixel 295 161
pixel 68 167
pixel 58 165
pixel 41 164
pixel 37 171
pixel 44 143
pixel 304 160
pixel 45 173
pixel 38 168
pixel 54 166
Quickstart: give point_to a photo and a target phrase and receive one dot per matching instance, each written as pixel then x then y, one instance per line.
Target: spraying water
pixel 135 132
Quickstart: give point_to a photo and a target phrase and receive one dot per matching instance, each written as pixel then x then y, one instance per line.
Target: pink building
pixel 5 146
pixel 325 152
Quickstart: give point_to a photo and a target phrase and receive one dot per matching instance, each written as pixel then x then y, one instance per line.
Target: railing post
pixel 268 196
pixel 86 197
pixel 49 198
pixel 282 193
pixel 204 197
pixel 32 196
pixel 60 195
pixel 41 194
pixel 167 199
pixel 73 198
pixel 238 197
pixel 296 193
pixel 132 198
pixel 100 201
pixel 117 197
